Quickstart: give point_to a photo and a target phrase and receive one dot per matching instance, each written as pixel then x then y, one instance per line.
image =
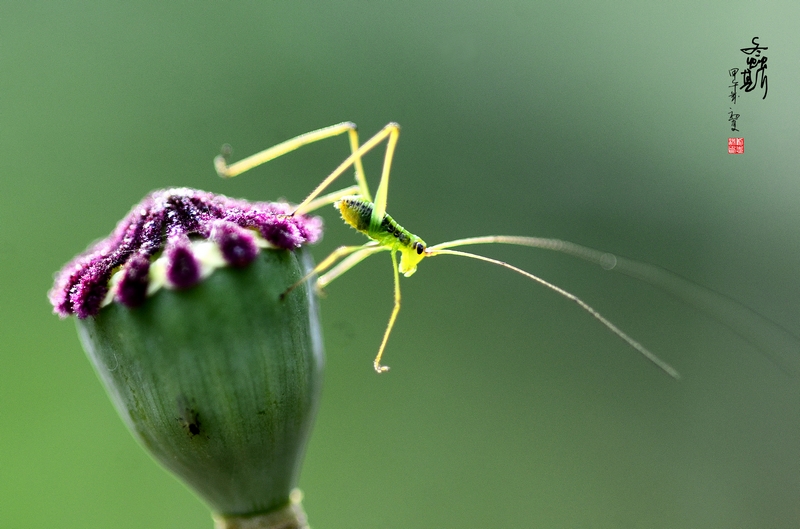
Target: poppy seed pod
pixel 180 312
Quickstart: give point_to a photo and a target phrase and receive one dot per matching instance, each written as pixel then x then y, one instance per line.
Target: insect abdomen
pixel 357 212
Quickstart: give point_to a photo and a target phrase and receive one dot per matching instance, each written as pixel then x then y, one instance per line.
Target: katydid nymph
pixel 368 216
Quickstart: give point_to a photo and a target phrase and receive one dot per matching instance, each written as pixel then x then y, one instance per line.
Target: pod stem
pixel 292 516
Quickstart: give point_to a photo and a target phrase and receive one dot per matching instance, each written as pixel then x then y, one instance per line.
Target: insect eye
pixel 419 247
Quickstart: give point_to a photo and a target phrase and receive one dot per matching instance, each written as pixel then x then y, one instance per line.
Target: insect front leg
pixel 346 264
pixel 326 263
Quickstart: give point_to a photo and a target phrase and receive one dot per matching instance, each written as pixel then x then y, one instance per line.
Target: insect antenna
pixel 668 369
pixel 769 338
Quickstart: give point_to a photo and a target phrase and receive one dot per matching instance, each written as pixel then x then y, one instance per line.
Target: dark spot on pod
pixel 190 421
pixel 183 270
pixel 132 289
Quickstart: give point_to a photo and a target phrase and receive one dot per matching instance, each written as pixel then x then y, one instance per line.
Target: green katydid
pixel 369 217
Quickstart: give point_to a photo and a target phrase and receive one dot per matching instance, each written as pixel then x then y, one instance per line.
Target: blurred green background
pixel 603 123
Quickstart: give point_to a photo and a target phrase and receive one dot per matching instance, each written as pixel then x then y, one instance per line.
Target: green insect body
pixel 358 213
pixel 369 217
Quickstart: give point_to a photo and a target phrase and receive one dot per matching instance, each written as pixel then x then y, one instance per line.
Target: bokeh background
pixel 603 123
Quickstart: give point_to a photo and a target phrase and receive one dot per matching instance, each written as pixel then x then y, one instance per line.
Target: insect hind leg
pixel 390 131
pixel 225 170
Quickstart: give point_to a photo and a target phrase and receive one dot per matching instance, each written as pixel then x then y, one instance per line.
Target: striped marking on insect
pixel 369 217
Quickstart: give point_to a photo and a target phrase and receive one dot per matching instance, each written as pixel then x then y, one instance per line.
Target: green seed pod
pixel 215 374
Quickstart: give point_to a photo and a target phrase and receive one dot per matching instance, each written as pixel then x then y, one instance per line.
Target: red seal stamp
pixel 735 145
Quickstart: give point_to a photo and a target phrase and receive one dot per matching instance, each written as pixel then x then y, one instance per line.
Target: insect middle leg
pixel 395 310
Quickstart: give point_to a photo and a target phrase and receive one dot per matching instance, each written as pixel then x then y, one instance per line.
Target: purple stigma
pixel 238 247
pixel 163 221
pixel 132 289
pixel 183 270
pixel 281 233
pixel 90 291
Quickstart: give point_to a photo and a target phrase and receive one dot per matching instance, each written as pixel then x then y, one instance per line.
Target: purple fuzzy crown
pixel 162 223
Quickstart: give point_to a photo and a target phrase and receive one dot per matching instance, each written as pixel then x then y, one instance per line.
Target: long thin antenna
pixel 780 345
pixel 668 369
